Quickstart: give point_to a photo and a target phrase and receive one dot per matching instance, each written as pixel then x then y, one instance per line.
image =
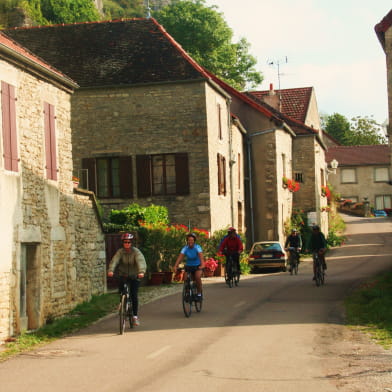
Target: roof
pixel 118 52
pixel 17 52
pixel 382 27
pixel 295 101
pixel 378 154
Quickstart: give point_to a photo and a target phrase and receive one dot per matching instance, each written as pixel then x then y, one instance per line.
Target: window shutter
pixel 182 174
pixel 219 173
pixel 224 175
pixel 126 183
pixel 50 142
pixel 90 165
pixel 9 127
pixel 143 173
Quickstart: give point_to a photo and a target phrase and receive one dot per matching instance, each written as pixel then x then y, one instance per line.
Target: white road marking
pixel 158 352
pixel 239 304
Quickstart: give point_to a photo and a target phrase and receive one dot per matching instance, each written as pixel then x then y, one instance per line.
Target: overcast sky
pixel 329 44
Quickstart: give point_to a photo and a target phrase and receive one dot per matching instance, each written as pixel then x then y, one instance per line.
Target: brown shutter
pixel 126 183
pixel 182 174
pixel 219 173
pixel 143 173
pixel 50 142
pixel 90 165
pixel 224 175
pixel 9 127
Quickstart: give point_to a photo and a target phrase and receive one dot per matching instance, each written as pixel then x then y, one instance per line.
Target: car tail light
pixel 278 255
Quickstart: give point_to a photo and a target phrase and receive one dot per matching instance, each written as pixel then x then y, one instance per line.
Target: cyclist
pixel 231 245
pixel 194 261
pixel 317 243
pixel 131 263
pixel 294 240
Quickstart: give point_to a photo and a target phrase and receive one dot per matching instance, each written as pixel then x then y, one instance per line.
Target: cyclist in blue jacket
pixel 193 254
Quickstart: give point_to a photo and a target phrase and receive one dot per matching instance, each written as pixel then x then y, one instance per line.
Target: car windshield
pixel 267 246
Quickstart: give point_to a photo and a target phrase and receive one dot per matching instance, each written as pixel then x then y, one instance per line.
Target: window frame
pixel 346 169
pixel 375 174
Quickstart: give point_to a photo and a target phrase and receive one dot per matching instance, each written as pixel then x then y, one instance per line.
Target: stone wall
pixel 158 119
pixel 52 243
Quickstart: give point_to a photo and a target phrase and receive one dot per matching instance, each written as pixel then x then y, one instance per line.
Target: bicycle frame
pixel 232 276
pixel 293 260
pixel 319 270
pixel 189 293
pixel 125 308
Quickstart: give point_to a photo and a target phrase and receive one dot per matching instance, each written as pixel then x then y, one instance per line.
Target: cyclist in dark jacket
pixel 317 243
pixel 231 245
pixel 294 240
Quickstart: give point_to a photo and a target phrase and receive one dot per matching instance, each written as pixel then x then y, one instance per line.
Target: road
pixel 274 332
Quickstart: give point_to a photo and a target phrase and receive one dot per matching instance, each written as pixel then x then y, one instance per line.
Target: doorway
pixel 29 287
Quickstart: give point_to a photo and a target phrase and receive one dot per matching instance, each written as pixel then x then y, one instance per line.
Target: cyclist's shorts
pixel 191 268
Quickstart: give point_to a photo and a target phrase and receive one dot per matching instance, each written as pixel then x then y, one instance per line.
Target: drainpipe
pixel 231 161
pixel 249 151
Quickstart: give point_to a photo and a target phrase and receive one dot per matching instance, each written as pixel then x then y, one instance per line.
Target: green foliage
pixel 369 308
pixel 360 131
pixel 116 9
pixel 205 35
pixel 69 11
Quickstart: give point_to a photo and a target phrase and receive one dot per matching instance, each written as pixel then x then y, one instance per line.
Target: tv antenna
pixel 276 63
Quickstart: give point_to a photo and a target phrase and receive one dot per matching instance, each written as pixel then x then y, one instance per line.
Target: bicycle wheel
pixel 236 276
pixel 296 267
pixel 187 299
pixel 197 301
pixel 318 274
pixel 229 273
pixel 292 264
pixel 122 313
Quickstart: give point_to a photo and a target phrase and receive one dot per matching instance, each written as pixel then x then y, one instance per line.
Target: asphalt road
pixel 275 332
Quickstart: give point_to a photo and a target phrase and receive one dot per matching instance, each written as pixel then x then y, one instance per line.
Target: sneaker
pixel 314 278
pixel 199 297
pixel 324 266
pixel 135 321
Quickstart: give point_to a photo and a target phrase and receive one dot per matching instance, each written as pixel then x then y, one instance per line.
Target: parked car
pixel 267 254
pixel 380 213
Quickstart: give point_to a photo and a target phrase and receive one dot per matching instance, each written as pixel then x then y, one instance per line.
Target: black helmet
pixel 316 227
pixel 191 235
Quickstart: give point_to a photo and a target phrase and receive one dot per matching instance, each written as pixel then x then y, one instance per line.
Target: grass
pixel 81 316
pixel 369 308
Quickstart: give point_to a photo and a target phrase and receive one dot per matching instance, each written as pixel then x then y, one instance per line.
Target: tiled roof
pixel 13 47
pixel 295 101
pixel 382 27
pixel 119 52
pixel 359 155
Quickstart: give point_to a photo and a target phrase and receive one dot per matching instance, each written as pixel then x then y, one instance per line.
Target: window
pixel 50 142
pixel 348 176
pixel 322 177
pixel 162 174
pixel 383 201
pixel 354 199
pixel 298 177
pixel 221 174
pixel 284 165
pixel 109 177
pixel 10 147
pixel 381 174
pixel 239 170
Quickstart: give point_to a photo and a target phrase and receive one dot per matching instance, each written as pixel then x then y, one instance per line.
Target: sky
pixel 330 45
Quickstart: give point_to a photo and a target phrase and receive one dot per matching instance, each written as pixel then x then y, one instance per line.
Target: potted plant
pixel 210 266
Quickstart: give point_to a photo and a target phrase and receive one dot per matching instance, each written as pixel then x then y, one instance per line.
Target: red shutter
pixel 182 174
pixel 50 142
pixel 143 173
pixel 90 165
pixel 126 183
pixel 9 127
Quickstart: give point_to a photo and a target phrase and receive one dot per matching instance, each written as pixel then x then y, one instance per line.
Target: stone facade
pixel 52 243
pixel 160 119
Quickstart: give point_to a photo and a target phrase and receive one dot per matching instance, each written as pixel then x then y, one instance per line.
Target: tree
pixel 337 126
pixel 69 11
pixel 205 35
pixel 365 131
pixel 358 131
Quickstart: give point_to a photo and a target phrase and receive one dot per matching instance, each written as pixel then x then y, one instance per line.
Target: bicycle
pixel 232 275
pixel 319 269
pixel 189 294
pixel 293 260
pixel 125 308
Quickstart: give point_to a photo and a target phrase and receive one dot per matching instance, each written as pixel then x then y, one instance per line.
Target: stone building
pixel 149 124
pixel 384 34
pixel 51 238
pixel 297 109
pixel 363 174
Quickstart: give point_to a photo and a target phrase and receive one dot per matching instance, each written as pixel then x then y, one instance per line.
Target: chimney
pixel 272 98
